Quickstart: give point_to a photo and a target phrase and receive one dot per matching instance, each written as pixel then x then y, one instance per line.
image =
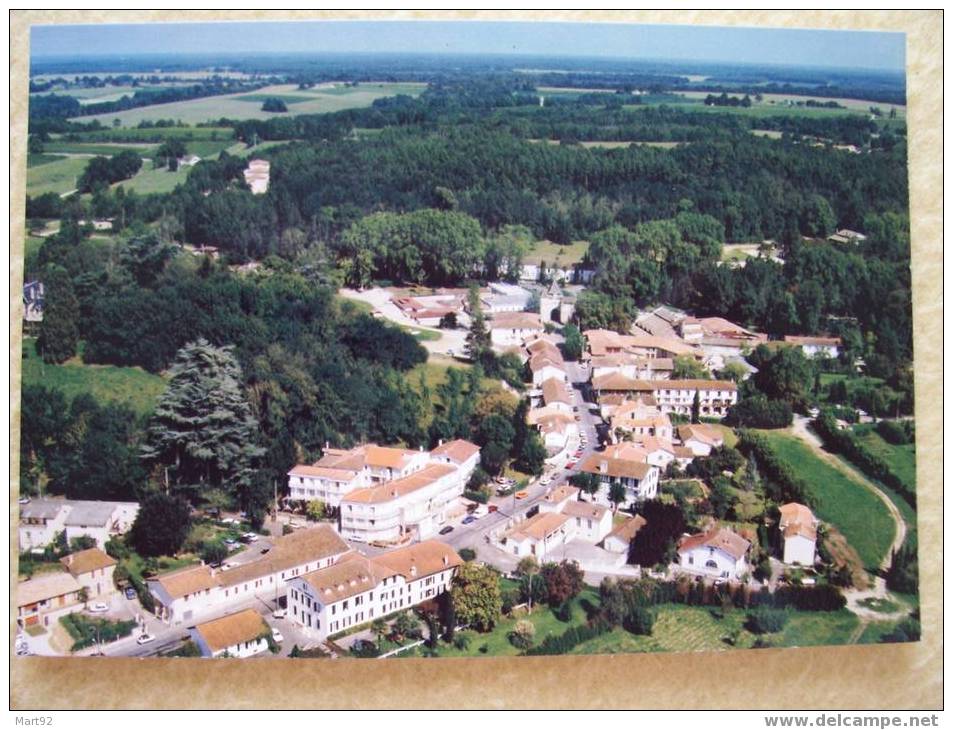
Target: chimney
pixel 413 571
pixel 446 560
pixel 603 466
pixel 440 442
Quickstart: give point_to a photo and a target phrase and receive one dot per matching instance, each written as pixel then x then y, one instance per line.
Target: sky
pixel 843 49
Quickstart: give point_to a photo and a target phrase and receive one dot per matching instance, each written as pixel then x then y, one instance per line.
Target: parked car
pixel 99 608
pixel 522 494
pixel 145 639
pixel 130 593
pixel 571 465
pixel 545 480
pixel 23 500
pixel 446 530
pixel 279 613
pixel 469 519
pixel 276 635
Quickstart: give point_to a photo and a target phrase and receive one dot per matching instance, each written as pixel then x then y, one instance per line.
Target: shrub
pixel 213 552
pixel 564 612
pixel 639 621
pixel 896 432
pixel 364 649
pixel 759 412
pixel 766 620
pixel 461 641
pixel 784 483
pixel 570 638
pixel 523 634
pixel 86 631
pixel 467 554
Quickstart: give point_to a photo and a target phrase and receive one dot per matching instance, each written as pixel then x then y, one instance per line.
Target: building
pixel 356 590
pixel 182 596
pixel 624 464
pixel 815 346
pixel 590 522
pixel 510 329
pixel 798 527
pixel 718 553
pixel 42 600
pixel 845 235
pixel 715 397
pixel 620 538
pixel 239 635
pixel 41 520
pixel 641 343
pixel 639 420
pixel 503 297
pixel 428 310
pixel 93 569
pixel 256 176
pixel 538 536
pixel 33 298
pixel 701 438
pixel 100 520
pixel 561 518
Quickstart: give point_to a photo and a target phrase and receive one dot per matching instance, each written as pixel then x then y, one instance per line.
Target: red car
pixel 571 465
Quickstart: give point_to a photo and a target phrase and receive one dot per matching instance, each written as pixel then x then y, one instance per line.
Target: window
pixel 711 564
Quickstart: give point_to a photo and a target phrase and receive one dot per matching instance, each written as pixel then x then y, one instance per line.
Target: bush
pixel 564 612
pixel 85 631
pixel 784 484
pixel 759 412
pixel 467 554
pixel 896 432
pixel 766 620
pixel 364 649
pixel 213 552
pixel 461 641
pixel 639 621
pixel 523 634
pixel 572 637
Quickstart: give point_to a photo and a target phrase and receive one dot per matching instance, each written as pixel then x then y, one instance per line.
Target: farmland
pixel 850 506
pixel 556 253
pixel 901 458
pixel 55 177
pixel 248 106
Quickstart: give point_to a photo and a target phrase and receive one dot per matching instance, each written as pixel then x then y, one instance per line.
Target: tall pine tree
pixel 59 332
pixel 202 430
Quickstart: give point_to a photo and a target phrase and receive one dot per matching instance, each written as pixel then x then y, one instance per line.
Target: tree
pixel 448 321
pixel 686 367
pixel 586 482
pixel 379 627
pixel 523 634
pixel 476 596
pixel 478 338
pixel 573 343
pixel 696 409
pixel 213 552
pixel 315 510
pixel 528 569
pixel 784 375
pixel 202 430
pixel 639 620
pixel 563 581
pixel 664 523
pixel 617 494
pixel 59 330
pixel 274 104
pixel 161 525
pixel 82 542
pixel 406 626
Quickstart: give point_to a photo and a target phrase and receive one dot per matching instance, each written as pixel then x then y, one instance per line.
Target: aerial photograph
pixel 401 339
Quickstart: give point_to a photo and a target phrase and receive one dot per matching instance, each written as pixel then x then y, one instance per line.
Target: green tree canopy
pixel 476 596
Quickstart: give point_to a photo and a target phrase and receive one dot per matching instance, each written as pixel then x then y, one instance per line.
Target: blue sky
pixel 854 49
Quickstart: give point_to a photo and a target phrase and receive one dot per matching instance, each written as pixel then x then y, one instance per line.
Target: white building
pixel 93 569
pixel 798 527
pixel 238 635
pixel 257 175
pixel 700 438
pixel 619 539
pixel 184 595
pixel 814 346
pixel 510 329
pixel 538 536
pixel 561 519
pixel 624 464
pixel 356 590
pixel 718 553
pixel 42 519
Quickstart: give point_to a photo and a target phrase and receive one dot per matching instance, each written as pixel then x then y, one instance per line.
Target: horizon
pixel 782 47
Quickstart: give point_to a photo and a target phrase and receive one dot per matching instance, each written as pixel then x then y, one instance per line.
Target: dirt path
pixel 801 430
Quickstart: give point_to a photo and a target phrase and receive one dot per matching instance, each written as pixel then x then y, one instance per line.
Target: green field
pixel 155 134
pixel 556 253
pixel 55 177
pixel 286 98
pixel 160 180
pixel 35 160
pixel 145 149
pixel 901 458
pixel 858 513
pixel 132 386
pixel 238 106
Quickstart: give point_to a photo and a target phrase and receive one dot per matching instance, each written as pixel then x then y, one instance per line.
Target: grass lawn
pixel 818 628
pixel 727 433
pixel 159 180
pixel 851 507
pixel 286 98
pixel 55 177
pixel 31 249
pixel 900 457
pixel 880 605
pixel 422 335
pixel 556 253
pixel 131 386
pixel 156 134
pixel 145 149
pixel 35 160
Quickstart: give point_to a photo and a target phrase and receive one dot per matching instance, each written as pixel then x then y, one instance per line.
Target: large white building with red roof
pixel 719 553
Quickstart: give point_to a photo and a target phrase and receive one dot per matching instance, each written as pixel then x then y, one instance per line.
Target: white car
pixel 99 608
pixel 276 635
pixel 145 639
pixel 280 613
pixel 545 481
pixel 250 536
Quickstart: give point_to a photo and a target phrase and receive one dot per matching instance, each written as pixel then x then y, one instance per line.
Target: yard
pixel 900 457
pixel 856 511
pixel 131 386
pixel 159 180
pixel 556 253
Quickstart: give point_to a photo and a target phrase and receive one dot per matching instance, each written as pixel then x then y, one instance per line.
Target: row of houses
pixel 86 575
pixel 386 494
pixel 41 520
pixel 552 411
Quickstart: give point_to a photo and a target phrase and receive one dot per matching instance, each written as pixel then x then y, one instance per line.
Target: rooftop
pixel 227 631
pixel 720 538
pixel 86 561
pixel 403 486
pixel 44 587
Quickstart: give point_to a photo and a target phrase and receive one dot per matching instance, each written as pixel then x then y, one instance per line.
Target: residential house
pixel 40 522
pixel 183 595
pixel 592 522
pixel 42 600
pixel 814 346
pixel 798 527
pixel 624 464
pixel 510 329
pixel 845 235
pixel 93 569
pixel 718 553
pixel 538 536
pixel 619 539
pixel 715 397
pixel 100 520
pixel 701 438
pixel 357 589
pixel 238 635
pixel 639 419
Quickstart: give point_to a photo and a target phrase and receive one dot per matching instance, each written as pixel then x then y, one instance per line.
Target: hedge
pixel 569 639
pixel 790 487
pixel 845 443
pixel 760 412
pixel 83 630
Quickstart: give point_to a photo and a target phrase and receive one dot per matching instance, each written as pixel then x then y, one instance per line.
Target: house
pixel 510 329
pixel 605 342
pixel 638 418
pixel 593 522
pixel 44 599
pixel 845 235
pixel 701 438
pixel 358 589
pixel 256 176
pixel 189 161
pixel 814 346
pixel 239 635
pixel 428 310
pixel 558 498
pixel 557 429
pixel 624 464
pixel 798 527
pixel 556 397
pixel 719 553
pixel 42 519
pixel 33 298
pixel 632 366
pixel 715 397
pixel 183 595
pixel 619 539
pixel 100 520
pixel 538 536
pixel 93 569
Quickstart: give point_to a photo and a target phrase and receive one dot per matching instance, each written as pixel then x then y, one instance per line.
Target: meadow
pixel 556 253
pixel 900 457
pixel 248 106
pixel 849 505
pixel 55 177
